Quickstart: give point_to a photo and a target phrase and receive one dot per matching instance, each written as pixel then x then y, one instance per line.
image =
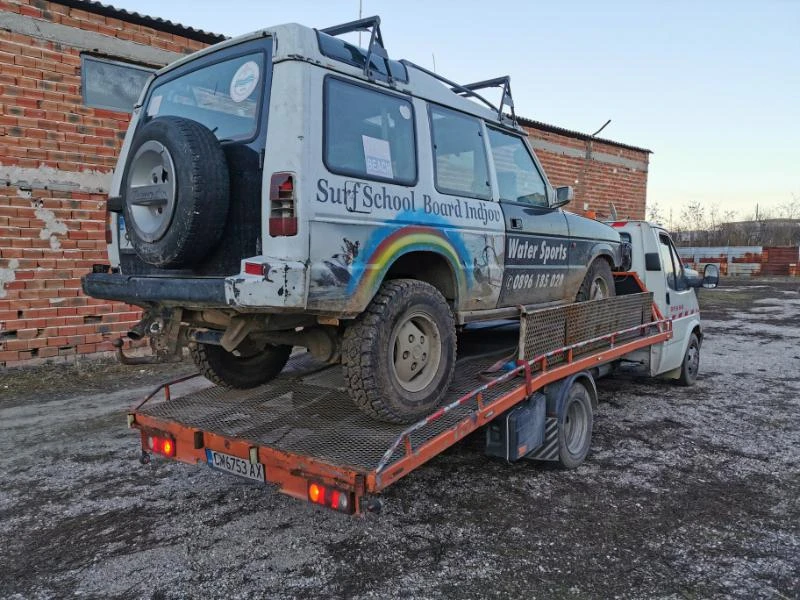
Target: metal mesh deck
pixel 307 410
pixel 311 413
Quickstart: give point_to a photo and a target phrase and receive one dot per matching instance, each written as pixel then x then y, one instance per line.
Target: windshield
pixel 224 97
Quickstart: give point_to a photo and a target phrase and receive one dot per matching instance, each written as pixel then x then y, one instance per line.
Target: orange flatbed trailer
pixel 302 433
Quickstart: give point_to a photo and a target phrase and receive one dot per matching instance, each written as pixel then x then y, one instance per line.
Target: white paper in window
pixel 377 157
pixel 154 106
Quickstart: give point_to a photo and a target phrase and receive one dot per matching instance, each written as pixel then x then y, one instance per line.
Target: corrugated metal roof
pixel 134 17
pixel 576 134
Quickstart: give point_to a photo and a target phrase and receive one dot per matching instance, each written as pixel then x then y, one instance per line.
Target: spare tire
pixel 176 191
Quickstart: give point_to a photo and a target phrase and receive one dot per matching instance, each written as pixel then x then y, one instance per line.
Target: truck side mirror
pixel 711 276
pixel 652 262
pixel 564 195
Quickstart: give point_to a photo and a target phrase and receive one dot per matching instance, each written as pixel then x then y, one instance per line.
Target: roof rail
pixel 376 46
pixel 469 90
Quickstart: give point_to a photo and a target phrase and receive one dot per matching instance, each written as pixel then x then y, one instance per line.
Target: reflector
pixel 315 493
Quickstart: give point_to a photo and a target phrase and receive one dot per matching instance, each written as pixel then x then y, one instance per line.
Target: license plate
pixel 234 464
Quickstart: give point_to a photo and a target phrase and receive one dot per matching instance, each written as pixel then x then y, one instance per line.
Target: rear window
pixel 368 133
pixel 224 96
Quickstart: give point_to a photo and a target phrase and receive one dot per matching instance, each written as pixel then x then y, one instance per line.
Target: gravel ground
pixel 687 493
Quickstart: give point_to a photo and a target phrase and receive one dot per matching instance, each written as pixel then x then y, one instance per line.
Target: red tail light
pixel 331 498
pixel 161 444
pixel 282 215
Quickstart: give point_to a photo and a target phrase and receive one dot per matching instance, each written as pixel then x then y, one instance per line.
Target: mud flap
pixel 518 431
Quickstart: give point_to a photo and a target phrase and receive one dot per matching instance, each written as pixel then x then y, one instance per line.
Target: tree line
pixel 699 224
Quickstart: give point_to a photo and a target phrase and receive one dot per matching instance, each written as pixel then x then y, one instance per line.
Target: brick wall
pixel 600 172
pixel 56 156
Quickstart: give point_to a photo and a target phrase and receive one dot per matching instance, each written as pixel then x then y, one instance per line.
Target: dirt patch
pixel 688 492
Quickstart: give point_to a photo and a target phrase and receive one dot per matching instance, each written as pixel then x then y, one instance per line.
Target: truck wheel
pixel 575 427
pixel 399 355
pixel 224 368
pixel 598 283
pixel 176 191
pixel 691 362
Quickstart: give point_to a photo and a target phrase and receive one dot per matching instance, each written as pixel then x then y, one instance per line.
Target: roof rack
pixel 376 46
pixel 468 90
pixel 504 82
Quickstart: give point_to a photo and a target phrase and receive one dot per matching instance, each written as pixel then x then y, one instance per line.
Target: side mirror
pixel 711 276
pixel 564 195
pixel 652 262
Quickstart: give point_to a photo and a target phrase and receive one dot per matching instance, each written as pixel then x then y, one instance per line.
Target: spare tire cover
pixel 176 189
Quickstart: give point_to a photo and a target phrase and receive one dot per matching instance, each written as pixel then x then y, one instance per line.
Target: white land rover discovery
pixel 287 188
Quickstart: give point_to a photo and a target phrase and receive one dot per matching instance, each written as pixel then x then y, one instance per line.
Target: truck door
pixel 680 302
pixel 537 245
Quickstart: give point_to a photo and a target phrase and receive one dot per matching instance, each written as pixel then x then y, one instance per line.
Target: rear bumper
pixel 197 291
pixel 280 288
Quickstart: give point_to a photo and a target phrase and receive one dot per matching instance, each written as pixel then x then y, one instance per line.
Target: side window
pixel 517 176
pixel 368 133
pixel 680 280
pixel 665 250
pixel 461 167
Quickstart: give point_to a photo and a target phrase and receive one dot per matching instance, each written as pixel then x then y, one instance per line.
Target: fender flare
pixel 556 393
pixel 457 272
pixel 605 249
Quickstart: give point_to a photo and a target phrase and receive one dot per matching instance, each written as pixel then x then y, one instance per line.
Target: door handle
pixel 516 223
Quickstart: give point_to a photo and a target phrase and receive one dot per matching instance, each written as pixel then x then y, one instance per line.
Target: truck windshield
pixel 224 96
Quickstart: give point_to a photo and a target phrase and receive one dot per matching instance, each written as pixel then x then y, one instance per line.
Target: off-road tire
pixel 691 362
pixel 201 193
pixel 599 273
pixel 223 368
pixel 368 354
pixel 575 427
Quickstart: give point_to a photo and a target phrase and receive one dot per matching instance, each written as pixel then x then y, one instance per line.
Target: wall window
pixel 368 133
pixel 460 154
pixel 111 84
pixel 517 176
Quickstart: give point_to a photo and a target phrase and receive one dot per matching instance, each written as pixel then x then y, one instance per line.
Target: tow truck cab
pixel 658 264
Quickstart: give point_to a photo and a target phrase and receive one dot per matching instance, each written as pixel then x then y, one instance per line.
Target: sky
pixel 712 87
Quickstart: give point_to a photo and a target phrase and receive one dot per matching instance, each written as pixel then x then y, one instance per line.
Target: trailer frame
pixel 351 486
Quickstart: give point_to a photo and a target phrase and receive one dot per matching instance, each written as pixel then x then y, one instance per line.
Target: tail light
pixel 330 497
pixel 282 215
pixel 161 444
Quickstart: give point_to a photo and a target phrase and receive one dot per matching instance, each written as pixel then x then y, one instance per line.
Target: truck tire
pixel 691 362
pixel 243 372
pixel 575 427
pixel 176 189
pixel 399 355
pixel 598 282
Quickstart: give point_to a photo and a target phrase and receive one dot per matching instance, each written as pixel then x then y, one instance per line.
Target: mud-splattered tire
pixel 176 188
pixel 691 362
pixel 575 427
pixel 399 355
pixel 223 368
pixel 598 283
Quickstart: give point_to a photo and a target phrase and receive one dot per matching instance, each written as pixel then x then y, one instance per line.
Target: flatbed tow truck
pixel 302 433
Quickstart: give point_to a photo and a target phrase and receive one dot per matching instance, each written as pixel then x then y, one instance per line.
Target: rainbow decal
pixel 368 273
